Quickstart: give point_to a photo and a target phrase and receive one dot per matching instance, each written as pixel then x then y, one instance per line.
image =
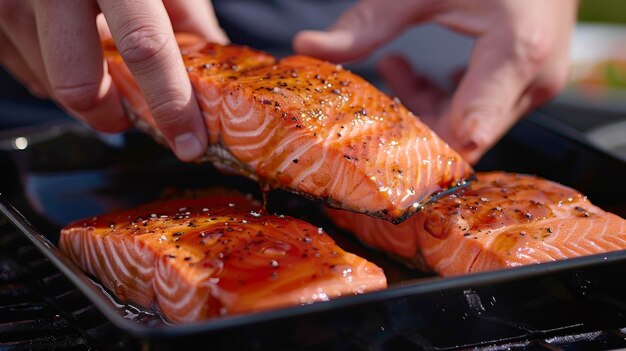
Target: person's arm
pixel 519 61
pixel 53 48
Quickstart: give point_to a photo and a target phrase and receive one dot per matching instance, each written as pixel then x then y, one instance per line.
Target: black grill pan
pixel 66 172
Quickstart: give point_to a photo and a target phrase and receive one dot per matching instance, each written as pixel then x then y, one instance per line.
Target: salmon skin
pixel 308 126
pixel 502 220
pixel 198 258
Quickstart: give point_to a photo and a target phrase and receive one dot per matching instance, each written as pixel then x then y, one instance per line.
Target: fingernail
pixel 187 147
pixel 470 145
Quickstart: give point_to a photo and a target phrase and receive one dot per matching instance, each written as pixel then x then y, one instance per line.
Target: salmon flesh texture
pixel 308 126
pixel 502 220
pixel 200 258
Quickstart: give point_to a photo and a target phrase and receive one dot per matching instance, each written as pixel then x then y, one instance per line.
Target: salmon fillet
pixel 502 220
pixel 308 126
pixel 199 258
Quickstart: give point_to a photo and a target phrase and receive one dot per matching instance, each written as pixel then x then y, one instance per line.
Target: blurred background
pixel 606 11
pixel 594 102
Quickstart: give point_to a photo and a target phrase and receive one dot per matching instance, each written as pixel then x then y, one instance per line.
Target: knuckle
pixel 361 17
pixel 532 47
pixel 80 97
pixel 171 112
pixel 484 112
pixel 141 44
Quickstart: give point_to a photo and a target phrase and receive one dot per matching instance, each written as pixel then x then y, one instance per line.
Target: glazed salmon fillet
pixel 502 220
pixel 308 126
pixel 199 258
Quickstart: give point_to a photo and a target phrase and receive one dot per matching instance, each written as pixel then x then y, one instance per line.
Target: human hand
pixel 53 48
pixel 519 60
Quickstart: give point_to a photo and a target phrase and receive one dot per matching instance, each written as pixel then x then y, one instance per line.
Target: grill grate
pixel 41 310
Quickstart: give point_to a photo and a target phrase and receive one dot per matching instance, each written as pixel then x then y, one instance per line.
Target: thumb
pixel 484 106
pixel 363 28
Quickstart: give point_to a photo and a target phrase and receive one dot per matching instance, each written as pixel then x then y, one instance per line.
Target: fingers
pixel 363 28
pixel 484 105
pixel 17 21
pixel 103 27
pixel 16 65
pixel 195 16
pixel 144 37
pixel 75 66
pixel 415 91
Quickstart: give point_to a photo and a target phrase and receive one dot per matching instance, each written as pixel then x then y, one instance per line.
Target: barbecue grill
pixel 63 171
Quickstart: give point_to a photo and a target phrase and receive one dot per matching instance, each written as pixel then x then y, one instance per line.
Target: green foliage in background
pixel 616 76
pixel 613 11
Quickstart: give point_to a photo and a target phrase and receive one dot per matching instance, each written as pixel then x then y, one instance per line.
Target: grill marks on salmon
pixel 195 259
pixel 502 220
pixel 310 127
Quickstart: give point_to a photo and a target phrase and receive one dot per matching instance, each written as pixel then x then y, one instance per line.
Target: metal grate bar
pixel 40 310
pixel 24 310
pixel 27 320
pixel 60 343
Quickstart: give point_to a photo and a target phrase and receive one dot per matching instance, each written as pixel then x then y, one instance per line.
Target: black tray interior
pixel 68 172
